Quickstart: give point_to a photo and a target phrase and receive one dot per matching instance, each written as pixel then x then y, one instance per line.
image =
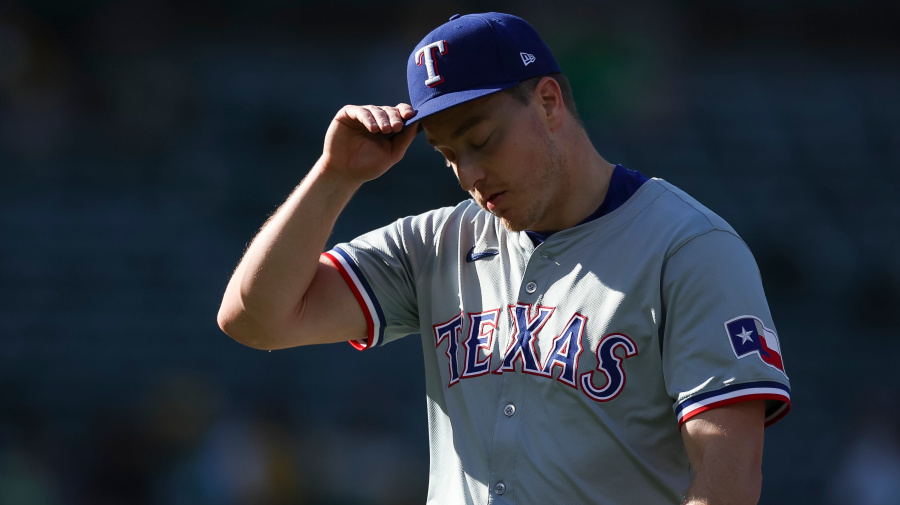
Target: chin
pixel 509 226
pixel 514 227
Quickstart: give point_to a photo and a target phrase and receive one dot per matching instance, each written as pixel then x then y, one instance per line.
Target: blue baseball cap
pixel 473 56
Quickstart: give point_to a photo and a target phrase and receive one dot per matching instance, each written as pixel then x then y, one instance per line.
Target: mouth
pixel 493 200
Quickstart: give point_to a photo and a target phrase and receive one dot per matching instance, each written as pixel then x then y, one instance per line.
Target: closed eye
pixel 483 143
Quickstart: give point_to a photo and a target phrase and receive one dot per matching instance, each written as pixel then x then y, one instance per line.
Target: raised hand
pixel 363 142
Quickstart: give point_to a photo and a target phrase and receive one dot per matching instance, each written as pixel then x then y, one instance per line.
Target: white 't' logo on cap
pixel 427 54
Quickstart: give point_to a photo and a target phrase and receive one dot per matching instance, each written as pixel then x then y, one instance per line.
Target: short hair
pixel 524 90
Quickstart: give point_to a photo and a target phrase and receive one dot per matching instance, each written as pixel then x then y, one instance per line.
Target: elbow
pixel 242 328
pixel 264 332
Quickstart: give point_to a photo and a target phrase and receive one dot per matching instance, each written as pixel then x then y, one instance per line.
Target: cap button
pixel 454 17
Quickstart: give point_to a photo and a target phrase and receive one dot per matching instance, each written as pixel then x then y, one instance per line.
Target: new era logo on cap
pixel 473 56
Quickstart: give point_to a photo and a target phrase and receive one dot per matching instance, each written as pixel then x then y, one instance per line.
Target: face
pixel 504 157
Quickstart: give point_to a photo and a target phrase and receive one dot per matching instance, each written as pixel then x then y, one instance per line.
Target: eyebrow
pixel 463 128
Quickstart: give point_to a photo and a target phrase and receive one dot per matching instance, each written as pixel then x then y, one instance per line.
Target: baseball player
pixel 590 335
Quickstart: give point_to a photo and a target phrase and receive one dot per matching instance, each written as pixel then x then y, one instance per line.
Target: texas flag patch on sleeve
pixel 749 336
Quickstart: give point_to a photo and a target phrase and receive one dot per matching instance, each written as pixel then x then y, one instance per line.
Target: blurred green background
pixel 142 144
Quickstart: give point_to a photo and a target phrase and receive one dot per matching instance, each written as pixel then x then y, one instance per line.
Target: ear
pixel 548 96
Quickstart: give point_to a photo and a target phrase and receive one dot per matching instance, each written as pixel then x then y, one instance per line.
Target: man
pixel 590 335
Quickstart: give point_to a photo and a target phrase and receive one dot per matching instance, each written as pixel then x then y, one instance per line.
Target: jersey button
pixel 509 410
pixel 500 488
pixel 531 287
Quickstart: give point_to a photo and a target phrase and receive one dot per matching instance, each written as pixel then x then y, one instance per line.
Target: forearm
pixel 270 282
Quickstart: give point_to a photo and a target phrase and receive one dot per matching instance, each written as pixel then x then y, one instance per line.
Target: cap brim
pixel 448 100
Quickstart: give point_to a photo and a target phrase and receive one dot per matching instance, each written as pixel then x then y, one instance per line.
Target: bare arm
pixel 725 446
pixel 281 294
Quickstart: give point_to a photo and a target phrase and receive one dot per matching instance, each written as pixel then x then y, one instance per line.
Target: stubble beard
pixel 552 174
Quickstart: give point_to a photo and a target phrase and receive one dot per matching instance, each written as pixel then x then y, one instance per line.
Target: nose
pixel 468 173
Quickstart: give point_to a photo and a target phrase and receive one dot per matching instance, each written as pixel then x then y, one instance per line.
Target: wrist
pixel 327 173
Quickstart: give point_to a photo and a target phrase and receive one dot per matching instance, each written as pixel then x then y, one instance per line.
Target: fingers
pixel 406 111
pixel 385 118
pixel 378 119
pixel 403 139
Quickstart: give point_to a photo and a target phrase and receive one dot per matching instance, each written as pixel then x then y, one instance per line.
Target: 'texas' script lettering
pixel 474 334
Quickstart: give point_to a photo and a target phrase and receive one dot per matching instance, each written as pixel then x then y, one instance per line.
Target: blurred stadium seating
pixel 142 144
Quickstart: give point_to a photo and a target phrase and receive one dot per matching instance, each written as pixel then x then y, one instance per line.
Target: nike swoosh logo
pixel 474 256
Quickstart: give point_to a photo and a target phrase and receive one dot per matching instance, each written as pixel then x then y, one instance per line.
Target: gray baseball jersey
pixel 561 373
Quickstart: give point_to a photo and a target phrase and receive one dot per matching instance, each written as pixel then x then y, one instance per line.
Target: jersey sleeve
pixel 719 343
pixel 381 267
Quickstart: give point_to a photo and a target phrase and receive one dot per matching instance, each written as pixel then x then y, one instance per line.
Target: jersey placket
pixel 511 405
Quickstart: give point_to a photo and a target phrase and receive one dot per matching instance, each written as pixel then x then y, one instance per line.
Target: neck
pixel 588 176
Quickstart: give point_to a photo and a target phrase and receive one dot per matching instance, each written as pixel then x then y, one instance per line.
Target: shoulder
pixel 434 222
pixel 678 216
pixel 434 229
pixel 687 210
